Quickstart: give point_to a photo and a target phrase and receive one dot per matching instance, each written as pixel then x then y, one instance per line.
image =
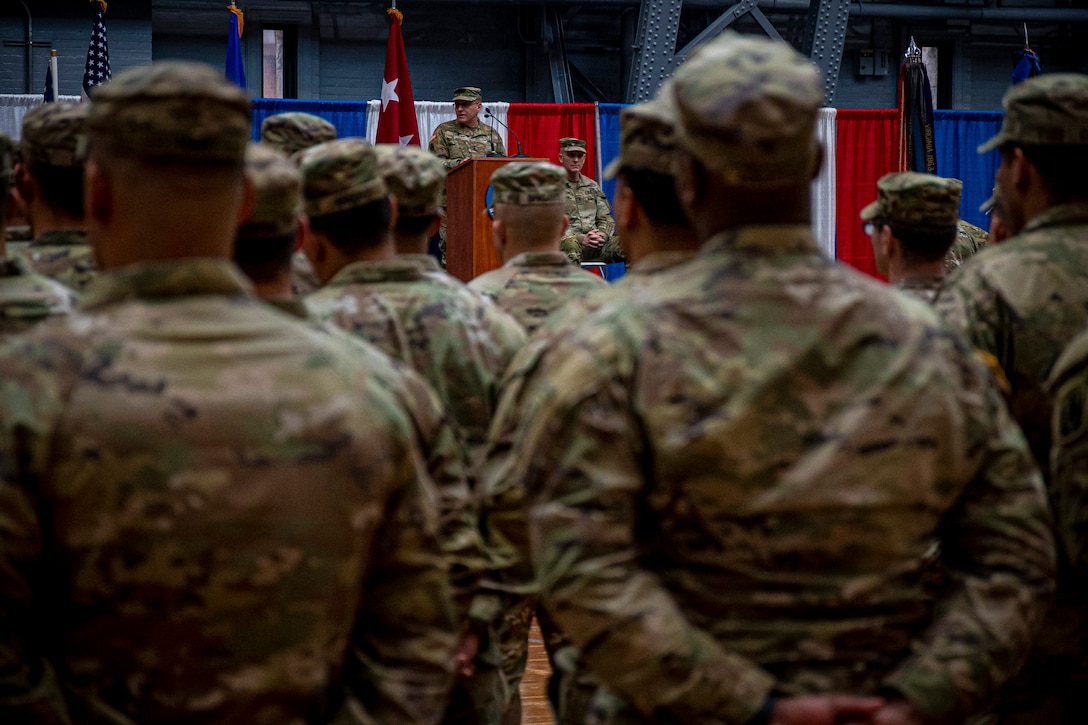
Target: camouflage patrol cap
pixel 529 183
pixel 1048 110
pixel 468 93
pixel 746 108
pixel 340 175
pixel 572 144
pixel 171 111
pixel 414 176
pixel 647 140
pixel 53 134
pixel 277 194
pixel 292 132
pixel 916 202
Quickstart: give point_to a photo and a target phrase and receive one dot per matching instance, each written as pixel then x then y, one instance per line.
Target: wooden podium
pixel 469 250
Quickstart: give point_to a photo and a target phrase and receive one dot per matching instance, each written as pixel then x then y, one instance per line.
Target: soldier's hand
pixel 898 712
pixel 593 239
pixel 825 710
pixel 466 654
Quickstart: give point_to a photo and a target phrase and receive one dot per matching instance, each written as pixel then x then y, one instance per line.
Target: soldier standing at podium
pixel 465 137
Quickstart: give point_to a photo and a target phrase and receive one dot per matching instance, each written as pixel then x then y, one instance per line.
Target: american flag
pixel 97 70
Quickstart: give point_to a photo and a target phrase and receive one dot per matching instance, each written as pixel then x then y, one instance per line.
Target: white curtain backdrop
pixel 14 106
pixel 823 187
pixel 431 113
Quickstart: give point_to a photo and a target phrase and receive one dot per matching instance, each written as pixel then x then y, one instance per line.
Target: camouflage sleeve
pixel 605 223
pixel 440 147
pixel 458 509
pixel 1069 461
pixel 998 554
pixel 569 479
pixel 500 147
pixel 400 665
pixel 970 307
pixel 571 245
pixel 31 406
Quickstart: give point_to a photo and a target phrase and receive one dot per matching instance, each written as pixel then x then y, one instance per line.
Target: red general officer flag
pixel 397 120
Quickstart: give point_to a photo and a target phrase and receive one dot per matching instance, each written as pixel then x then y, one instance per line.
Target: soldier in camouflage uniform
pixel 214 512
pixel 267 240
pixel 415 179
pixel 466 136
pixel 463 138
pixel 1023 302
pixel 912 224
pixel 590 236
pixel 49 178
pixel 26 298
pixel 292 133
pixel 458 341
pixel 656 237
pixel 263 251
pixel 535 278
pixel 768 477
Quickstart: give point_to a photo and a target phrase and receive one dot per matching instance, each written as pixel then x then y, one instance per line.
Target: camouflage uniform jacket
pixel 453 142
pixel 587 207
pixel 27 298
pixel 533 285
pixel 441 446
pixel 1023 301
pixel 970 240
pixel 214 513
pixel 65 256
pixel 925 287
pixel 457 339
pixel 753 478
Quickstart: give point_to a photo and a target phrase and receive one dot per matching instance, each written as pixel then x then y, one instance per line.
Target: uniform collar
pixel 167 279
pixel 397 269
pixel 920 281
pixel 660 261
pixel 1059 215
pixel 539 259
pixel 61 238
pixel 769 239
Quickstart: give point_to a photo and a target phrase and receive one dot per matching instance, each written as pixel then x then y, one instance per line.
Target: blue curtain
pixel 609 114
pixel 958 134
pixel 349 117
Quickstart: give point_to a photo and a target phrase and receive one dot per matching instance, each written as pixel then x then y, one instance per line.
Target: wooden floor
pixel 535 708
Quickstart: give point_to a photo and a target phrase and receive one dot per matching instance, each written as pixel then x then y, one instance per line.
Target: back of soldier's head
pixel 7 165
pixel 416 179
pixel 52 151
pixel 178 114
pixel 266 241
pixel 745 109
pixel 529 198
pixel 294 132
pixel 647 148
pixel 344 194
pixel 922 211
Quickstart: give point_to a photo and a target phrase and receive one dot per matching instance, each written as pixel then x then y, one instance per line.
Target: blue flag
pixel 236 70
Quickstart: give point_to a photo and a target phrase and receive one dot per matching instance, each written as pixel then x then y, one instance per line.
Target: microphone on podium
pixel 519 154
